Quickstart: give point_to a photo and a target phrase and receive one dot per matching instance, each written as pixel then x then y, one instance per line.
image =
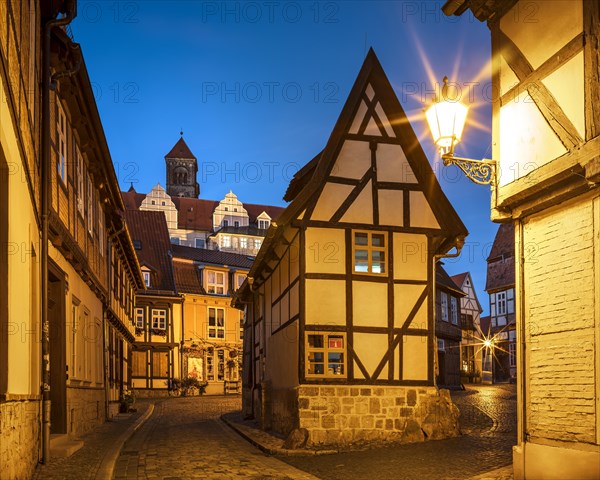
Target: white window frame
pixel 226 243
pixel 215 331
pixel 257 244
pixel 139 317
pixel 239 279
pixel 61 140
pixel 146 274
pixel 243 242
pixel 159 319
pixel 441 344
pixel 444 306
pixel 501 303
pixel 264 224
pixel 216 287
pixel 453 311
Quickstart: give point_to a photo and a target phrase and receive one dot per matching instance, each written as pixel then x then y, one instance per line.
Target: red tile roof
pixel 150 229
pixel 501 262
pixel 187 278
pixel 196 213
pixel 212 257
pixel 459 278
pixel 180 150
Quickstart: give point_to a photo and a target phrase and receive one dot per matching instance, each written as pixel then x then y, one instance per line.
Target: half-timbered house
pixel 212 328
pixel 339 334
pixel 448 332
pixel 92 267
pixel 546 140
pixel 155 357
pixel 472 338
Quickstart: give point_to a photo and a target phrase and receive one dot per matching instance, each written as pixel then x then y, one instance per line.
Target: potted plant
pixel 192 386
pixel 126 401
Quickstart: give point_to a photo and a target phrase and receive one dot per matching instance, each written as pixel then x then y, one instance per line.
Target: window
pixel 216 322
pixel 139 318
pixel 159 319
pixel 90 204
pixel 243 242
pixel 175 240
pixel 444 306
pixel 100 229
pixel 369 253
pixel 138 361
pixel 239 279
pixel 326 355
pixel 226 241
pixel 225 223
pixel 137 244
pixel 220 365
pixel 215 282
pixel 160 364
pixel 453 311
pixel 146 278
pixel 163 203
pixel 200 243
pixel 441 344
pixel 257 244
pixel 501 303
pixel 236 224
pixel 61 139
pixel 153 202
pixel 80 182
pixel 210 366
pixel 512 354
pixel 263 224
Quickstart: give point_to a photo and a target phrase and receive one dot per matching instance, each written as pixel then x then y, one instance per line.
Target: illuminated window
pixel 243 242
pixel 257 244
pixel 369 252
pixel 210 366
pixel 220 365
pixel 215 282
pixel 159 319
pixel 216 322
pixel 325 355
pixel 226 241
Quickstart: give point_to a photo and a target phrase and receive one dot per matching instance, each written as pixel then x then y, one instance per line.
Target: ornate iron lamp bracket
pixel 482 172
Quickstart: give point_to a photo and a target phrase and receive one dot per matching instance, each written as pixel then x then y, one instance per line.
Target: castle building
pixel 182 167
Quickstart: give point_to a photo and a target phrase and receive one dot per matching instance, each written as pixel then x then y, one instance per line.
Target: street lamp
pixel 446 119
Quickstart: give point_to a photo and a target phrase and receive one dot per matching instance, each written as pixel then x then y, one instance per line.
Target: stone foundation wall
pixel 85 410
pixel 281 410
pixel 335 415
pixel 19 439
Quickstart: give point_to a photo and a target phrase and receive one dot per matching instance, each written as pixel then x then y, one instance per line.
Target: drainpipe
pixel 458 244
pixel 45 190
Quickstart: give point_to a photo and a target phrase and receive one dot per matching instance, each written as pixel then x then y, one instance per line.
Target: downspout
pixel 45 190
pixel 458 244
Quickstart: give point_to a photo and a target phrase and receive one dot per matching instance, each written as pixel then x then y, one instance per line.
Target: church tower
pixel 182 167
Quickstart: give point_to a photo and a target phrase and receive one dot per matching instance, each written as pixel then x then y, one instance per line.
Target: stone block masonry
pixel 335 415
pixel 19 438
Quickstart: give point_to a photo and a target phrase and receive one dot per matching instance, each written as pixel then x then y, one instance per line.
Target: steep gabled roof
pixel 310 181
pixel 150 229
pixel 501 262
pixel 181 150
pixel 460 278
pixel 212 257
pixel 484 324
pixel 187 278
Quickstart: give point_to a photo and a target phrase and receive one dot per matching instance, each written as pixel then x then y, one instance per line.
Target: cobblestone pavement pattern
pixel 185 439
pixel 485 445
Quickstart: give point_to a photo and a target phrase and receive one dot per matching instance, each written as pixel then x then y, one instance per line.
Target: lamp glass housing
pixel 446 121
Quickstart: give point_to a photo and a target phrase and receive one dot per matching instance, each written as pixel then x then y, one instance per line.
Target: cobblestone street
pixel 185 439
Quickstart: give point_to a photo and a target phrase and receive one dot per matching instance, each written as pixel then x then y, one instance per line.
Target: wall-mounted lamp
pixel 446 119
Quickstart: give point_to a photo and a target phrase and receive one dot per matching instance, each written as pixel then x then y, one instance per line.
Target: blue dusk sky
pixel 257 87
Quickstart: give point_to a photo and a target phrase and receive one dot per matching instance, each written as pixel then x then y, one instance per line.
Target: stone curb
pixel 247 434
pixel 502 473
pixel 107 466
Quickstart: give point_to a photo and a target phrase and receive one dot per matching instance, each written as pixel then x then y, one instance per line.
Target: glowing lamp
pixel 446 119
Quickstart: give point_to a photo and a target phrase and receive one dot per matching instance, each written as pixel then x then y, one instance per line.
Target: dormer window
pixel 146 274
pixel 137 244
pixel 215 282
pixel 263 224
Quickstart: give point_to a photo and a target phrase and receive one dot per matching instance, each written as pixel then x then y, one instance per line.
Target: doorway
pixel 57 350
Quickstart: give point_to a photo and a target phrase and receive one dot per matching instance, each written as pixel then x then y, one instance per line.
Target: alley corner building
pixel 546 138
pixel 339 334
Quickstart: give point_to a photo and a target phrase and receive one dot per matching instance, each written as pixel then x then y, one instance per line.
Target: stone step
pixel 62 446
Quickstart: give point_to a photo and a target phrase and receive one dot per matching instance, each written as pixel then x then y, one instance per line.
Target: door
pixel 58 356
